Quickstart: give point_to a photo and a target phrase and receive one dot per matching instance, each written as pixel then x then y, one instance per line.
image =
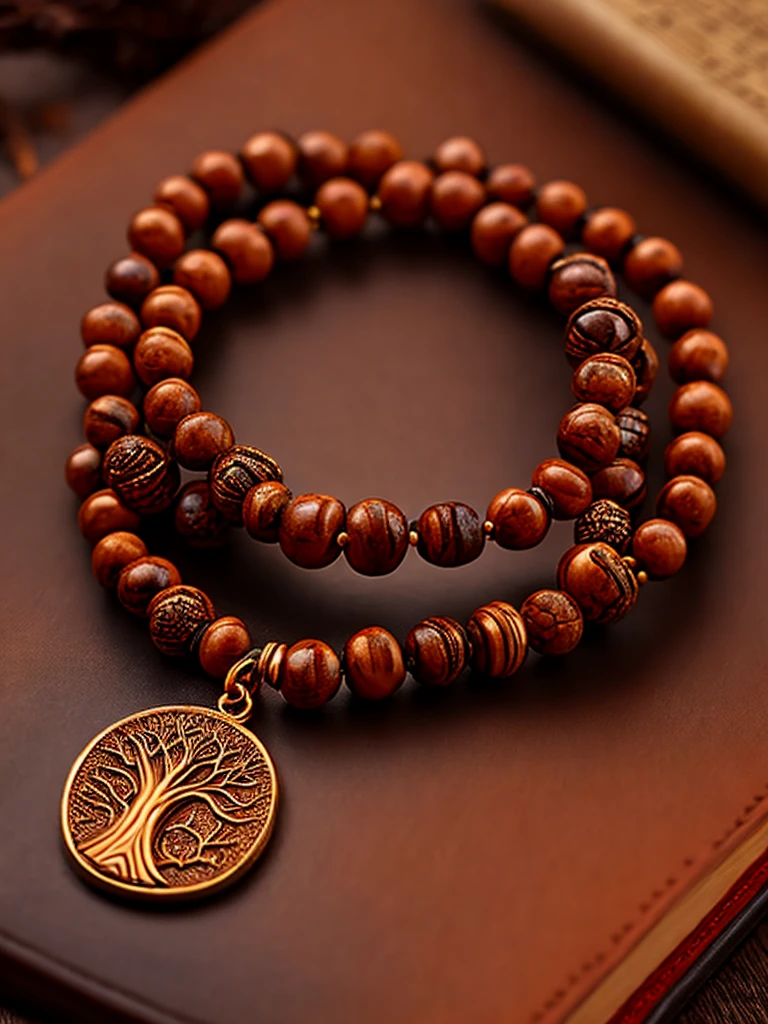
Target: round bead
pixel 519 519
pixel 459 153
pixel 511 183
pixel 174 307
pixel 378 537
pixel 221 175
pixel 131 278
pixel 623 482
pixel 651 264
pixel 83 470
pixel 112 553
pixel 161 353
pixel 437 651
pixel 577 279
pixel 701 405
pixel 111 323
pixel 322 155
pixel 223 644
pixel 605 379
pixel 561 204
pixel 493 230
pixel 373 663
pixel 104 370
pixel 553 622
pixel 404 192
pixel 604 521
pixel 660 548
pixel 247 250
pixel 262 509
pixel 602 325
pixel 455 198
pixel 567 486
pixel 157 234
pixel 288 226
pixel 185 198
pixel 234 473
pixel 646 366
pixel 498 640
pixel 168 402
pixel 101 513
pixel 599 581
pixel 695 454
pixel 108 418
pixel 141 580
pixel 199 438
pixel 343 205
pixel 140 473
pixel 688 501
pixel 608 232
pixel 270 160
pixel 532 252
pixel 205 274
pixel 309 530
pixel 635 429
pixel 197 520
pixel 176 617
pixel 698 355
pixel 371 154
pixel 311 674
pixel 588 437
pixel 450 534
pixel 680 307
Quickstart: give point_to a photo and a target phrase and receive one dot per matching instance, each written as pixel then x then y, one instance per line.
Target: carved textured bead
pixel 141 474
pixel 635 430
pixel 311 674
pixel 436 651
pixel 263 506
pixel 176 616
pixel 450 534
pixel 602 325
pixel 599 580
pixel 498 638
pixel 234 473
pixel 553 620
pixel 606 521
pixel 378 537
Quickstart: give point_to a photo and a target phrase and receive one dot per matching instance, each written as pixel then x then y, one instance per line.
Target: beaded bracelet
pixel 145 333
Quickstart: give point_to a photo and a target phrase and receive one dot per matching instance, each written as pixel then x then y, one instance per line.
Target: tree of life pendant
pixel 171 802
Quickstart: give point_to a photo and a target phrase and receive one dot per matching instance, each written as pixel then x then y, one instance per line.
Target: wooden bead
pixel 698 355
pixel 681 306
pixel 197 520
pixel 378 537
pixel 141 580
pixel 288 226
pixel 588 437
pixel 703 406
pixel 112 553
pixel 459 153
pixel 234 473
pixel 262 509
pixel 176 616
pixel 199 438
pixel 311 674
pixel 373 663
pixel 247 250
pixel 103 512
pixel 437 651
pixel 498 640
pixel 646 366
pixel 174 307
pixel 553 622
pixel 519 519
pixel 223 644
pixel 322 155
pixel 623 482
pixel 205 274
pixel 270 160
pixel 511 183
pixel 158 234
pixel 455 198
pixel 404 192
pixel 83 470
pixel 371 154
pixel 635 430
pixel 185 198
pixel 602 325
pixel 688 501
pixel 493 229
pixel 531 254
pixel 108 418
pixel 608 232
pixel 660 548
pixel 343 205
pixel 131 278
pixel 599 581
pixel 161 353
pixel 104 370
pixel 577 279
pixel 309 530
pixel 561 204
pixel 605 379
pixel 604 521
pixel 567 486
pixel 651 264
pixel 141 474
pixel 695 454
pixel 168 402
pixel 450 534
pixel 111 323
pixel 221 175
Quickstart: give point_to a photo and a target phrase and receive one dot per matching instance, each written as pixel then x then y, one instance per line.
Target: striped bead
pixel 436 651
pixel 450 534
pixel 499 639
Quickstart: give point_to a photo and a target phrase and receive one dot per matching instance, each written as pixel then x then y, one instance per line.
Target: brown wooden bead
pixel 660 548
pixel 309 529
pixel 223 643
pixel 635 429
pixel 234 473
pixel 104 370
pixel 695 454
pixel 262 509
pixel 511 183
pixel 498 640
pixel 602 325
pixel 141 580
pixel 343 205
pixel 112 553
pixel 651 264
pixel 270 160
pixel 220 174
pixel 698 355
pixel 158 234
pixel 588 437
pixel 450 534
pixel 108 418
pixel 553 621
pixel 608 232
pixel 176 616
pixel 197 520
pixel 378 537
pixel 688 501
pixel 604 521
pixel 532 252
pixel 103 512
pixel 519 519
pixel 247 250
pixel 174 307
pixel 373 663
pixel 605 379
pixel 322 155
pixel 311 674
pixel 288 226
pixel 206 275
pixel 161 353
pixel 83 470
pixel 141 474
pixel 404 192
pixel 561 204
pixel 681 306
pixel 460 153
pixel 184 197
pixel 701 405
pixel 199 438
pixel 131 278
pixel 111 323
pixel 599 581
pixel 437 651
pixel 646 366
pixel 567 486
pixel 455 198
pixel 493 230
pixel 371 154
pixel 623 482
pixel 577 279
pixel 168 402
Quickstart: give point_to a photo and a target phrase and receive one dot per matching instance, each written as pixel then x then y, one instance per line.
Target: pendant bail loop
pixel 236 703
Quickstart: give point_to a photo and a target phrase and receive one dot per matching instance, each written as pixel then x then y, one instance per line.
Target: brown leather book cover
pixel 493 853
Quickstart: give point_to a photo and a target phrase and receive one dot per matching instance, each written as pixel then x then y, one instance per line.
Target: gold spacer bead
pixel 488 528
pixel 343 539
pixel 374 203
pixel 413 538
pixel 642 578
pixel 313 212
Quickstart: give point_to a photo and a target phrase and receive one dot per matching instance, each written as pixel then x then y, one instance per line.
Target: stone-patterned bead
pixel 437 651
pixel 196 519
pixel 101 513
pixel 695 454
pixel 311 674
pixel 688 501
pixel 222 644
pixel 599 580
pixel 566 485
pixel 141 580
pixel 577 279
pixel 660 548
pixel 498 639
pixel 606 379
pixel 520 520
pixel 373 663
pixel 177 616
pixel 635 429
pixel 83 470
pixel 263 508
pixel 309 530
pixel 588 437
pixel 141 474
pixel 553 622
pixel 108 418
pixel 450 534
pixel 623 482
pixel 602 325
pixel 378 537
pixel 703 406
pixel 113 553
pixel 604 521
pixel 234 473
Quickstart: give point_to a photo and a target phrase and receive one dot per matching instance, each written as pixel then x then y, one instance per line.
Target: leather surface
pixel 481 854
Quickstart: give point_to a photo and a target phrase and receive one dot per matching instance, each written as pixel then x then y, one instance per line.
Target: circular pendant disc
pixel 169 803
